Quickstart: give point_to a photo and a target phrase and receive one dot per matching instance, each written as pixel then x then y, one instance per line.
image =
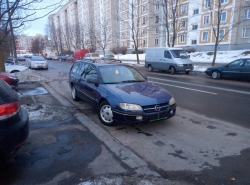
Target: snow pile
pixel 47 112
pixel 205 57
pixel 29 76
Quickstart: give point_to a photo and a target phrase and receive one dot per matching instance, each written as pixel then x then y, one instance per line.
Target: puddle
pixel 35 91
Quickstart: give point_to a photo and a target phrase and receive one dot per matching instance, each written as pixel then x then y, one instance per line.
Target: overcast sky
pixel 38 26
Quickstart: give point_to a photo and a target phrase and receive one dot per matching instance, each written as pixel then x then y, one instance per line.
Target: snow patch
pixel 29 76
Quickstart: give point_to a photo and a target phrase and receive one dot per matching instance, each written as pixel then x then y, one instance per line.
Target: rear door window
pixel 91 72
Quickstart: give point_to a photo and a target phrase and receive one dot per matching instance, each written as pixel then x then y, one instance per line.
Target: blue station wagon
pixel 119 93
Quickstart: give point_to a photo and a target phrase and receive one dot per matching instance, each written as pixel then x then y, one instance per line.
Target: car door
pixel 245 70
pixel 82 81
pixel 91 89
pixel 74 77
pixel 167 60
pixel 233 69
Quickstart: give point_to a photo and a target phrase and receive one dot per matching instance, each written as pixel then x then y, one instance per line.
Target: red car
pixel 11 79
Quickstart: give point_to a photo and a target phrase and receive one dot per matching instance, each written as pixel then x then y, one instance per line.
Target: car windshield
pixel 113 74
pixel 179 54
pixel 37 58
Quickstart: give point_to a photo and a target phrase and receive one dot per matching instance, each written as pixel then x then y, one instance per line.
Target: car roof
pixel 97 63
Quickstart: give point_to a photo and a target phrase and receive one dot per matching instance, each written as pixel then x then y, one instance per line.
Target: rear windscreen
pixel 7 94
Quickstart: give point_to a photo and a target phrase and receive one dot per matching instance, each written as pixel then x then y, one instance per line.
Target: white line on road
pixel 184 88
pixel 217 88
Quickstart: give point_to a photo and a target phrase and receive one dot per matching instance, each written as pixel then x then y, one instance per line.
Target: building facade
pixel 105 24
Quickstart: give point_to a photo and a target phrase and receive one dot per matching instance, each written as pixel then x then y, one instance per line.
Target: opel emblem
pixel 157 108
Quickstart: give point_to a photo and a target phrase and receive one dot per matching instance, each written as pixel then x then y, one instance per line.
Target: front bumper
pixel 132 117
pixel 14 136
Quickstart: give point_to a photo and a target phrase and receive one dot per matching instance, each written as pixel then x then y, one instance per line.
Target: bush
pixel 190 50
pixel 139 52
pixel 123 50
pixel 246 53
pixel 210 53
pixel 115 50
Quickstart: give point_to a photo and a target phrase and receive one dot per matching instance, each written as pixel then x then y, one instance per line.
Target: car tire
pixel 74 93
pixel 187 72
pixel 215 75
pixel 172 70
pixel 150 68
pixel 105 114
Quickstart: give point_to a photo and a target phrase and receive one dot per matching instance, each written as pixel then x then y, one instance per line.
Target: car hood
pixel 7 74
pixel 215 67
pixel 143 93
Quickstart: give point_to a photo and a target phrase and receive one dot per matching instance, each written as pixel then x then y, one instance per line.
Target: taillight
pixel 8 110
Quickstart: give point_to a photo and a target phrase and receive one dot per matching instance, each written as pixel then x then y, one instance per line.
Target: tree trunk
pixel 2 60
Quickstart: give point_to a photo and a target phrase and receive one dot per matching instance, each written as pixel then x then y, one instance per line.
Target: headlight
pixel 180 65
pixel 171 101
pixel 127 106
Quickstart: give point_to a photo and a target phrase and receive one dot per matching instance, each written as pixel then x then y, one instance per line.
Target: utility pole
pixel 12 36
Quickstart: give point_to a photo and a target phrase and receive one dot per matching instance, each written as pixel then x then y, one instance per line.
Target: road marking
pixel 217 88
pixel 184 88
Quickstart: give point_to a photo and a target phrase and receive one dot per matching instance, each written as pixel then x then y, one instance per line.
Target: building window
pixel 183 9
pixel 196 11
pixel 221 34
pixel 144 8
pixel 156 30
pixel 223 1
pixel 207 3
pixel 194 41
pixel 245 32
pixel 172 13
pixel 183 24
pixel 223 16
pixel 123 35
pixel 127 14
pixel 156 42
pixel 156 19
pixel 247 14
pixel 205 36
pixel 144 31
pixel 157 6
pixel 128 43
pixel 144 42
pixel 144 20
pixel 182 38
pixel 171 26
pixel 206 19
pixel 195 27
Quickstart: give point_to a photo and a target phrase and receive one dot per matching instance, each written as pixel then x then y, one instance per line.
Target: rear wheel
pixel 215 74
pixel 105 114
pixel 150 68
pixel 74 93
pixel 172 70
pixel 187 72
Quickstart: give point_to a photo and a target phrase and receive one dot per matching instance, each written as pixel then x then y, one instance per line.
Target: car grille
pixel 188 65
pixel 156 117
pixel 153 108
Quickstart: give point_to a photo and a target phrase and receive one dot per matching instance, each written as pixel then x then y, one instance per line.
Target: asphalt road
pixel 193 146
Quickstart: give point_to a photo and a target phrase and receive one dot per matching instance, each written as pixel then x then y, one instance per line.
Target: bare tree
pixel 82 35
pixel 13 16
pixel 38 46
pixel 103 35
pixel 221 16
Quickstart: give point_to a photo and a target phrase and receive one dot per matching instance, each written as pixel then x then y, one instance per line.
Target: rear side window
pixel 75 67
pixel 82 69
pixel 91 72
pixel 167 54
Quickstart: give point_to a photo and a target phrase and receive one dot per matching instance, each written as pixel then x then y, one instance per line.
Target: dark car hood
pixel 143 93
pixel 216 67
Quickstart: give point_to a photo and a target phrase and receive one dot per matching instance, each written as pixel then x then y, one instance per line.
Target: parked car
pixel 109 61
pixel 10 60
pixel 168 59
pixel 14 121
pixel 120 93
pixel 80 54
pixel 239 68
pixel 108 57
pixel 69 59
pixel 92 56
pixel 20 58
pixel 38 62
pixel 9 78
pixel 11 68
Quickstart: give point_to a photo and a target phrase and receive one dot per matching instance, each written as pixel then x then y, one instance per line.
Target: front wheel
pixel 215 74
pixel 74 93
pixel 172 70
pixel 187 72
pixel 105 114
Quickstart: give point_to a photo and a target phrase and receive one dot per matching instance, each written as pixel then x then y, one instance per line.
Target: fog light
pixel 138 117
pixel 171 112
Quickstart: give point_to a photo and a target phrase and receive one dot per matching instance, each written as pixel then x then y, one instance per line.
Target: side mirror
pixel 92 80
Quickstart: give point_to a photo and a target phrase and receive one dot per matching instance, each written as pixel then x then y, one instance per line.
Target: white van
pixel 92 56
pixel 169 59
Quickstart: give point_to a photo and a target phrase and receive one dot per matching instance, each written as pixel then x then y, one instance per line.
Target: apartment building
pixel 151 23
